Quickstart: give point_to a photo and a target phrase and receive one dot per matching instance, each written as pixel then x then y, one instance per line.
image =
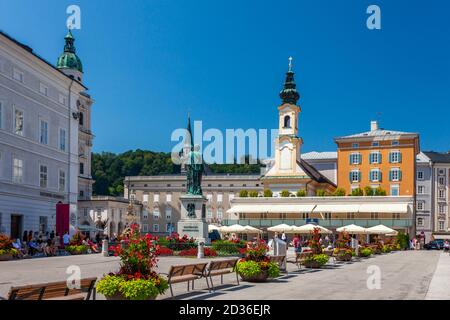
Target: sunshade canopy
pixel 309 228
pixel 381 229
pixel 213 227
pixel 281 228
pixel 237 228
pixel 353 229
pixel 251 229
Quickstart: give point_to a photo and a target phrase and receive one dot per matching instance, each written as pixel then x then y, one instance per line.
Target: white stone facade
pixel 39 148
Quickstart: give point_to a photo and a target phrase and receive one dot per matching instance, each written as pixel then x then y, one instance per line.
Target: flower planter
pixel 6 257
pixel 119 296
pixel 261 277
pixel 312 264
pixel 343 257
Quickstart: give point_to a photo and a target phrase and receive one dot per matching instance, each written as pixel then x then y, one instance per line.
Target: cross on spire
pixel 290 64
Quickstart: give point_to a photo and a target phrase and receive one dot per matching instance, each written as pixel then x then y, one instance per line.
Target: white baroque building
pixel 45 137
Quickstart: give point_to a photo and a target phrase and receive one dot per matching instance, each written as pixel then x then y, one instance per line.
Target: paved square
pixel 404 275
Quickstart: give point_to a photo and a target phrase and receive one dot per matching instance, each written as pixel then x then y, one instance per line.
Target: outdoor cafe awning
pixel 271 208
pixel 337 208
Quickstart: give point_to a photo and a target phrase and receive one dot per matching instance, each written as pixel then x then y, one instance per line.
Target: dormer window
pixel 287 122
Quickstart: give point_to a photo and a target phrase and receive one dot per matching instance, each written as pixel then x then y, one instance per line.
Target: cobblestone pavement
pixel 404 275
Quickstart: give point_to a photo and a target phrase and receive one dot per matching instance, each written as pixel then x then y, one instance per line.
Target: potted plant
pixel 256 265
pixel 365 252
pixel 76 245
pixel 315 257
pixel 7 251
pixel 316 260
pixel 137 278
pixel 343 252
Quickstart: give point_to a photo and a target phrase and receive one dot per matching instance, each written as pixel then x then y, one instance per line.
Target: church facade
pixel 288 173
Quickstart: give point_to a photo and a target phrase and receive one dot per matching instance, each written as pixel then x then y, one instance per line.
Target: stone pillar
pixel 105 252
pixel 201 250
pixel 193 220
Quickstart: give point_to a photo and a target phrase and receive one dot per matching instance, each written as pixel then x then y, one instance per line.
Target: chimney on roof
pixel 373 125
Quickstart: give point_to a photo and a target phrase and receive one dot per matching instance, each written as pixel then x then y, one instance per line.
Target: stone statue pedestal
pixel 193 218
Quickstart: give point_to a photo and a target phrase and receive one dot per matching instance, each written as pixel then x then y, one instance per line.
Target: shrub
pixel 133 289
pixel 321 259
pixel 268 193
pixel 163 251
pixel 402 240
pixel 253 194
pixel 366 252
pixel 193 252
pixel 250 268
pixel 301 193
pixel 285 193
pixel 369 191
pixel 357 192
pixel 77 249
pixel 339 192
pixel 6 246
pixel 177 243
pixel 321 193
pixel 228 246
pixel 380 191
pixel 243 193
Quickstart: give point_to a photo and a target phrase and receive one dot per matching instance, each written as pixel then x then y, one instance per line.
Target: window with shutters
pixel 375 157
pixel 355 158
pixel 375 175
pixel 395 174
pixel 354 176
pixel 395 157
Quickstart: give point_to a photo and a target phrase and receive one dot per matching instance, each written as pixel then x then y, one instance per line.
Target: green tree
pixel 243 193
pixel 357 192
pixel 369 191
pixel 380 191
pixel 285 193
pixel 268 193
pixel 321 193
pixel 339 192
pixel 253 194
pixel 301 193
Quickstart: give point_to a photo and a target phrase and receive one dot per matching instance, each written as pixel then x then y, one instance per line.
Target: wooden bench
pixel 219 268
pixel 280 260
pixel 54 291
pixel 186 273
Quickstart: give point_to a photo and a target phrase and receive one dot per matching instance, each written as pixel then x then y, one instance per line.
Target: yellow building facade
pixel 378 158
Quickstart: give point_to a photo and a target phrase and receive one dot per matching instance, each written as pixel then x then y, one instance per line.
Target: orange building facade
pixel 378 158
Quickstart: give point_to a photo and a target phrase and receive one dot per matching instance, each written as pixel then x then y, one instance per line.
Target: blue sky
pixel 147 63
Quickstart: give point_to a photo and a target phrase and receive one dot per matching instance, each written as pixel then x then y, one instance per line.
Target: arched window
pixel 287 122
